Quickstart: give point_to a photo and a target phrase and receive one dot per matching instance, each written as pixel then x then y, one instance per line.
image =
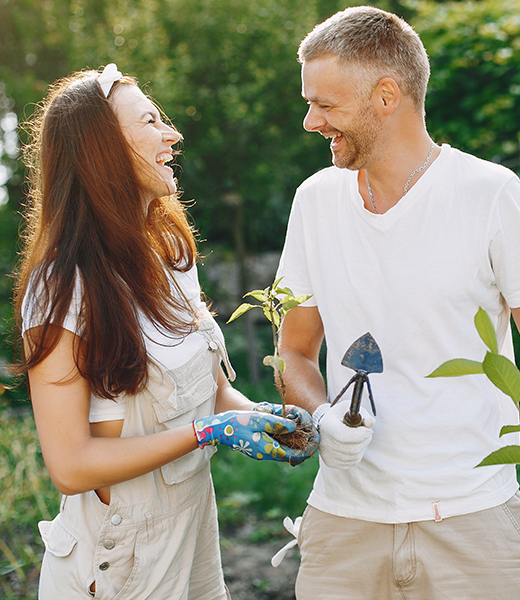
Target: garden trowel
pixel 364 357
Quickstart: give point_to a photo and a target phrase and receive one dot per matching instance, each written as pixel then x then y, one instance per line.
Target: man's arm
pixel 300 342
pixel 341 447
pixel 516 317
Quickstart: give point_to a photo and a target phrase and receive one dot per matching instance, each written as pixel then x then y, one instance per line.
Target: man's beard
pixel 359 140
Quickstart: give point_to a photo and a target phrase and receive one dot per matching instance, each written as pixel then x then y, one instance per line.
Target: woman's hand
pixel 253 433
pixel 248 432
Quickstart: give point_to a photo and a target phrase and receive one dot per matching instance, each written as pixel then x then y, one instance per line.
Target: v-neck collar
pixel 415 194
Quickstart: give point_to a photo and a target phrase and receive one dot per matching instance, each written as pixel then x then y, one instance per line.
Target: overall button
pixel 116 520
pixel 109 544
pixel 213 346
pixel 104 566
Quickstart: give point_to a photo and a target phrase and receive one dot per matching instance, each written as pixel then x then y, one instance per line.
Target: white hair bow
pixel 108 77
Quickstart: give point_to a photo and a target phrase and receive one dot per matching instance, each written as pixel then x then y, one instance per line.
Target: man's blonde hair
pixel 375 42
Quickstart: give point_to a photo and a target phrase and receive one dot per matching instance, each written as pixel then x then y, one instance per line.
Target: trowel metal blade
pixel 364 355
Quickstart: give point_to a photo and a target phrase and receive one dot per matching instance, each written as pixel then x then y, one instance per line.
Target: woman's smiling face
pixel 149 137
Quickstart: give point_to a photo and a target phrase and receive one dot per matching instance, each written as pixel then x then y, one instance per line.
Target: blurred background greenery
pixel 225 71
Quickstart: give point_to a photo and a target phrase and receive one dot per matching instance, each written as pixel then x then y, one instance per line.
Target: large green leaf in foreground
pixel 457 367
pixel 505 455
pixel 486 330
pixel 504 374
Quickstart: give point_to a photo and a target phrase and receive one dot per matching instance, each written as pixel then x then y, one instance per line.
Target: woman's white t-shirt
pixel 165 350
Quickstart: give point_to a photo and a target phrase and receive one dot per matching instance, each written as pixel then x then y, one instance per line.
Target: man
pixel 406 240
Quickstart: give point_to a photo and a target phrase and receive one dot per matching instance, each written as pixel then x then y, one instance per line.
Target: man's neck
pixel 384 182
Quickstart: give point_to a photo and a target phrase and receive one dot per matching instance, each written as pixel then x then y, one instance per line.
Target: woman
pixel 122 357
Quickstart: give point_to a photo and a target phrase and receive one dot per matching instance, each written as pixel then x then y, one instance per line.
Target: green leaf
pixel 289 304
pixel 301 298
pixel 277 363
pixel 285 291
pixel 293 301
pixel 486 330
pixel 260 295
pixel 504 456
pixel 504 374
pixel 243 308
pixel 509 429
pixel 267 314
pixel 456 367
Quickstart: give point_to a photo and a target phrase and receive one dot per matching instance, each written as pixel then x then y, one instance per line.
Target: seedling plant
pixel 275 302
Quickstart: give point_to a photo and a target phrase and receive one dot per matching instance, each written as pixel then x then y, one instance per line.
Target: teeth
pixel 163 158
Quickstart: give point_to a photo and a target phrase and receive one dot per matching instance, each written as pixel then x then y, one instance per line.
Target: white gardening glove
pixel 341 446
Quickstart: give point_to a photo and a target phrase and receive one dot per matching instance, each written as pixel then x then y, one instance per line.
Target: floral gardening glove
pixel 246 431
pixel 304 421
pixel 295 413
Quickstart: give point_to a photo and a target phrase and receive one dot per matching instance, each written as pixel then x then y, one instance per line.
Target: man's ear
pixel 387 95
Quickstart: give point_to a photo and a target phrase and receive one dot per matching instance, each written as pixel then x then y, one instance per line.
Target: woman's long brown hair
pixel 85 214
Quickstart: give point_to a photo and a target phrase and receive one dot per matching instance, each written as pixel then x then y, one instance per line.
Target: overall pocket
pixel 179 397
pixel 58 540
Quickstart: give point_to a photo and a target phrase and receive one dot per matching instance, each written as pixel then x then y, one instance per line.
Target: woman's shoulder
pixel 37 304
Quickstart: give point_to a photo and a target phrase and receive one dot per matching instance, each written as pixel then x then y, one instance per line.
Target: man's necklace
pixel 407 181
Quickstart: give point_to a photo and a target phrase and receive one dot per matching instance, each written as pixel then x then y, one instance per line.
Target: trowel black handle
pixel 352 418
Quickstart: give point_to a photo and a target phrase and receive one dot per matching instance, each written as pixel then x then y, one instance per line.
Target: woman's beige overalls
pixel 158 538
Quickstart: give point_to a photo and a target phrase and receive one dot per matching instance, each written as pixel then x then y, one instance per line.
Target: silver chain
pixel 407 181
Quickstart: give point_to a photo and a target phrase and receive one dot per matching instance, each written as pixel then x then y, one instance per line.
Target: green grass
pixel 269 490
pixel 26 497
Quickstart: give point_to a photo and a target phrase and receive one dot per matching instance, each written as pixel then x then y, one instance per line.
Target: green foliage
pixel 473 98
pixel 225 71
pixel 500 371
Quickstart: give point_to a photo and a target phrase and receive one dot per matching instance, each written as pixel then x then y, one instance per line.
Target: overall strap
pixel 207 328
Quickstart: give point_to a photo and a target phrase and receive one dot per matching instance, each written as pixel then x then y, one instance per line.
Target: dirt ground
pixel 248 570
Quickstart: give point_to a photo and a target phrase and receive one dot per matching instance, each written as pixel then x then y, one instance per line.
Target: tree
pixel 226 72
pixel 473 98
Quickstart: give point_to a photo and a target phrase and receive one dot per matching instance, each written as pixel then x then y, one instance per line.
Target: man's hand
pixel 302 417
pixel 342 446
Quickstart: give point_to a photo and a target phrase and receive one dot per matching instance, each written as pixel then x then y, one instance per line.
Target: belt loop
pixel 149 526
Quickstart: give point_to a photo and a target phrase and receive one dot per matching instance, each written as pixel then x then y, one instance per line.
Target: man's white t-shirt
pixel 414 277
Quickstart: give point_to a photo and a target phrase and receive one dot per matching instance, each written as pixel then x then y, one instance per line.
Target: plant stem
pixel 282 388
pixel 272 310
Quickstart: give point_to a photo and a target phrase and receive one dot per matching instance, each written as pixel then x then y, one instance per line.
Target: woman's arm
pixel 228 398
pixel 77 461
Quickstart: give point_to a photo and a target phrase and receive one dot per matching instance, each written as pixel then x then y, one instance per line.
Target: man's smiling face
pixel 337 111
